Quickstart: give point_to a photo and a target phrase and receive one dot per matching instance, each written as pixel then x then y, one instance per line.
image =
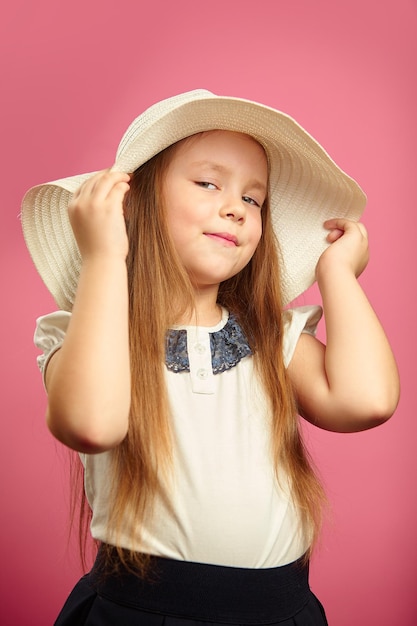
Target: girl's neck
pixel 206 312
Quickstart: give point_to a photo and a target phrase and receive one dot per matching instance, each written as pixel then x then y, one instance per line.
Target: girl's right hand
pixel 96 215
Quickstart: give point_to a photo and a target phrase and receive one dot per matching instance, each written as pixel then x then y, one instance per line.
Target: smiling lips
pixel 226 238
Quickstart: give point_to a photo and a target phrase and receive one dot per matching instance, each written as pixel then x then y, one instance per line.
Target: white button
pixel 199 348
pixel 202 374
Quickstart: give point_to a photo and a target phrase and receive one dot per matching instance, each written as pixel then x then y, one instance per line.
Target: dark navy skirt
pixel 178 593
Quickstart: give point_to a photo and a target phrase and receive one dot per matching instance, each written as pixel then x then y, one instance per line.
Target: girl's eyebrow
pixel 223 169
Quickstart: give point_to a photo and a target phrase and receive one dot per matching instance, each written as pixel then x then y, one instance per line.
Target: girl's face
pixel 214 189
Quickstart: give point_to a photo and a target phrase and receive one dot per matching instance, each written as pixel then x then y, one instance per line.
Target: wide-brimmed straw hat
pixel 306 187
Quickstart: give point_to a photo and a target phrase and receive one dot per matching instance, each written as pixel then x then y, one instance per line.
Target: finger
pixel 340 226
pixel 334 235
pixel 337 222
pixel 344 224
pixel 89 183
pixel 362 228
pixel 103 184
pixel 100 184
pixel 118 192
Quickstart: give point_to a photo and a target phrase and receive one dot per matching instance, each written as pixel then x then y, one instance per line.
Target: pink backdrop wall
pixel 73 76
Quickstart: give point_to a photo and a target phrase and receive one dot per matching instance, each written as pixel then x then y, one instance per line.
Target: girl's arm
pixel 88 379
pixel 352 383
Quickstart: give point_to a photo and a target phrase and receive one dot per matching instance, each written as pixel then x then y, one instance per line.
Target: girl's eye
pixel 250 200
pixel 205 184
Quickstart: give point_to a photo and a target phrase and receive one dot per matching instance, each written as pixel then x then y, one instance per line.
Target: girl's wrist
pixel 336 281
pixel 104 261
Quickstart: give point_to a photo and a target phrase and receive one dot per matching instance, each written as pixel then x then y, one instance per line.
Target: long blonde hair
pixel 160 292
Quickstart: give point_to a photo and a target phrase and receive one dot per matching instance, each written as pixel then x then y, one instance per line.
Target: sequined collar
pixel 228 345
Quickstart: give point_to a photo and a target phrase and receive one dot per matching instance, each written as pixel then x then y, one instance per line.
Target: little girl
pixel 177 371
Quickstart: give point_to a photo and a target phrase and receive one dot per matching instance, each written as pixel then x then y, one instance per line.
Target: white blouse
pixel 224 505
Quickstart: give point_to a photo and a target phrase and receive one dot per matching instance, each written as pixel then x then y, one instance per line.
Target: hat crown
pixel 155 112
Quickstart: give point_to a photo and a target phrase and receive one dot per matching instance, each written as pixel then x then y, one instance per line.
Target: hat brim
pixel 306 187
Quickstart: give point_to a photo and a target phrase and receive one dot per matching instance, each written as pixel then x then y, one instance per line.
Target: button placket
pixel 199 356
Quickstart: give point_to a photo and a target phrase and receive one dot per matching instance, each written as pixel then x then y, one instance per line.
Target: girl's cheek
pixel 259 231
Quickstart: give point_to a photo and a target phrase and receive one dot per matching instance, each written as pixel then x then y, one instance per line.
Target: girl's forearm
pixel 89 379
pixel 359 363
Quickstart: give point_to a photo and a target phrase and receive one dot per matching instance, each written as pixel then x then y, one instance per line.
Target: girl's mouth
pixel 225 238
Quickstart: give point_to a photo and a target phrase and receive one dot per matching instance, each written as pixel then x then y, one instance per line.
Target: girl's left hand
pixel 349 246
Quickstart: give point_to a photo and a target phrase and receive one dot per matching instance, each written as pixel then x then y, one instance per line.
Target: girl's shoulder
pixel 298 320
pixel 49 335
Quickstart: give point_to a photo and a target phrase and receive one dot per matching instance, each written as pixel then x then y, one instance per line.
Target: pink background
pixel 73 76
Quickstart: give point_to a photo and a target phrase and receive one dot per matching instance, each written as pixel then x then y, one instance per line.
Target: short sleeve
pixel 49 335
pixel 303 319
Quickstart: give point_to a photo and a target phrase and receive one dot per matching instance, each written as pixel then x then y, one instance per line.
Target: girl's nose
pixel 233 209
